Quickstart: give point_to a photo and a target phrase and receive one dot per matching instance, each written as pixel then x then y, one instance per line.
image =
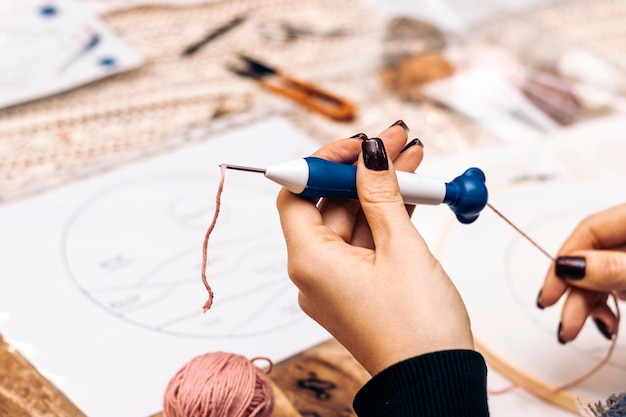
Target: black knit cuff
pixel 445 383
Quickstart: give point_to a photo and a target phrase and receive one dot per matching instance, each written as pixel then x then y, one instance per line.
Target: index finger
pixel 603 230
pixel 308 239
pixel 345 151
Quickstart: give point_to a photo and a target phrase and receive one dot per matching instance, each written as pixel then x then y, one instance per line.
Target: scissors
pixel 303 93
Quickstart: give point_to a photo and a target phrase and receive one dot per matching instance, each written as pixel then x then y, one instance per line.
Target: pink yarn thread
pixel 205 244
pixel 576 381
pixel 220 384
pixel 593 370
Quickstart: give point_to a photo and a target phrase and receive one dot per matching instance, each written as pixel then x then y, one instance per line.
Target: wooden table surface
pixel 318 382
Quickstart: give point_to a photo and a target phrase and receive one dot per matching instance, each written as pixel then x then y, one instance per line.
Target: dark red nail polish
pixel 570 267
pixel 361 136
pixel 539 305
pixel 414 142
pixel 402 124
pixel 603 328
pixel 559 335
pixel 374 154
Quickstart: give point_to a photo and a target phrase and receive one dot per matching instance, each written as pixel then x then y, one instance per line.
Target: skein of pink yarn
pixel 219 384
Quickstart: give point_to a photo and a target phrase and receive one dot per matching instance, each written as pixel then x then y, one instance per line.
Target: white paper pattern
pixel 100 281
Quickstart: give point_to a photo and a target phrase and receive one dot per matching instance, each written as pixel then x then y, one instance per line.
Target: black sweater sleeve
pixel 450 383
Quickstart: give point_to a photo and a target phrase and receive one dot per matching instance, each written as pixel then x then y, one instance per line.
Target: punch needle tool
pixel 314 177
pixel 303 93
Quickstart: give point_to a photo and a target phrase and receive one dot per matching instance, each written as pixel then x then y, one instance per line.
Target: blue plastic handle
pixel 330 179
pixel 466 195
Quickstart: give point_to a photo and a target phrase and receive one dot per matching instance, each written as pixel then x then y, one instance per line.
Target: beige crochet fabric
pixel 154 108
pixel 49 140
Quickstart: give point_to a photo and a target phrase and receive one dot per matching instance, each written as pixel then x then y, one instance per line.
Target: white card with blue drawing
pixel 49 47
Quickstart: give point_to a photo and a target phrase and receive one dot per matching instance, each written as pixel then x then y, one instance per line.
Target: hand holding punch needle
pixel 313 177
pixel 301 92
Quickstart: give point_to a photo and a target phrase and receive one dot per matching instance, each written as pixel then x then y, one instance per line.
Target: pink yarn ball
pixel 219 384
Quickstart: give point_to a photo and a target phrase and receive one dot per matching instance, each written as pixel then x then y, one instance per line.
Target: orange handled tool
pixel 301 92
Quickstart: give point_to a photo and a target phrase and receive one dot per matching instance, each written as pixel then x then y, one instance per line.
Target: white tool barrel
pixel 419 189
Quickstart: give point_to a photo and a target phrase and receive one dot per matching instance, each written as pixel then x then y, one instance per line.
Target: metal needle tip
pixel 243 168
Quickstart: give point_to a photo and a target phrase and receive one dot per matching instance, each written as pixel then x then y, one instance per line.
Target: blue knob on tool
pixel 315 177
pixel 467 195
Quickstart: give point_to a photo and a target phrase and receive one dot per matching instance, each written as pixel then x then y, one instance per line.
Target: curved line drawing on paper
pixel 106 239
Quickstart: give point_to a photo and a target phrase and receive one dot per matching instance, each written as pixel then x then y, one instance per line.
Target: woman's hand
pixel 591 264
pixel 363 271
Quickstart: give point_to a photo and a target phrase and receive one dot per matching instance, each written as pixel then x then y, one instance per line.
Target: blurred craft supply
pixel 193 48
pixel 597 84
pixel 553 95
pixel 54 47
pixel 615 405
pixel 538 94
pixel 510 77
pixel 508 93
pixel 413 56
pixel 284 32
pixel 407 37
pixel 91 42
pixel 491 99
pixel 303 93
pixel 105 7
pixel 407 77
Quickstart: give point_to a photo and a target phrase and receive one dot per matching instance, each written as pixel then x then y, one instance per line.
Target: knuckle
pixel 305 305
pixel 381 193
pixel 592 226
pixel 295 272
pixel 586 225
pixel 614 268
pixel 300 268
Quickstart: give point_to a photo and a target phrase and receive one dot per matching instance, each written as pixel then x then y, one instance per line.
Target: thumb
pixel 379 195
pixel 598 270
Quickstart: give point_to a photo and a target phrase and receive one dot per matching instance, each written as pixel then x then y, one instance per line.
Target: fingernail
pixel 559 335
pixel 539 305
pixel 414 142
pixel 361 136
pixel 570 267
pixel 401 123
pixel 603 328
pixel 374 154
